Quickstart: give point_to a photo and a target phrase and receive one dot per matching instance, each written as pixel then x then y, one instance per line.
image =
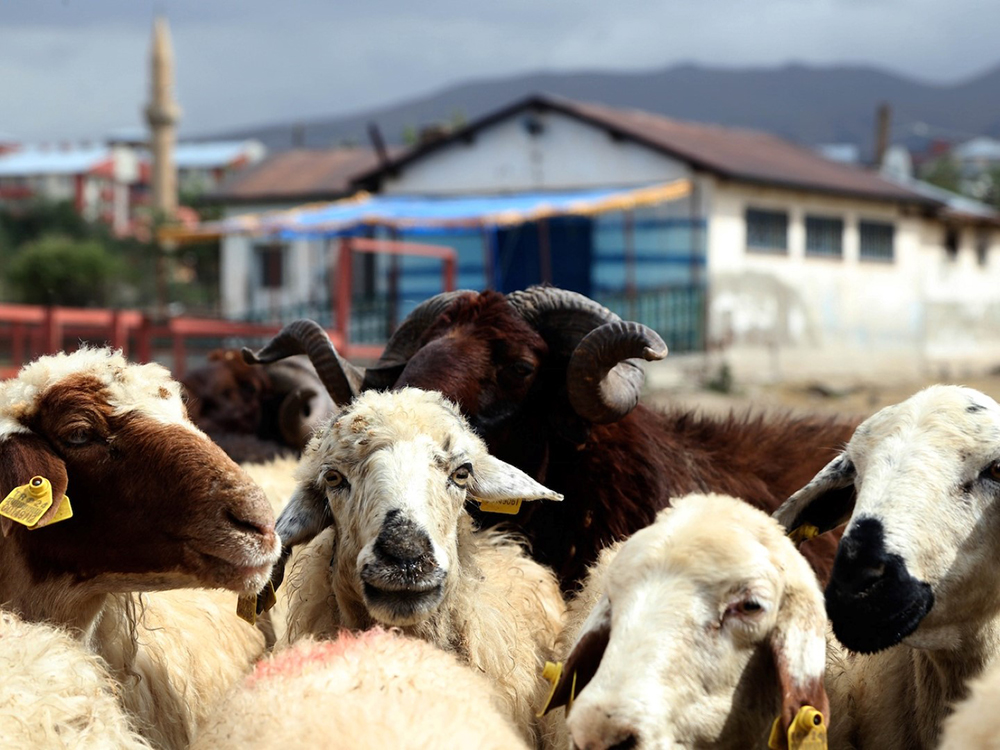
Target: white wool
pixel 925 473
pixel 171 654
pixel 377 690
pixel 683 664
pixel 500 610
pixel 976 721
pixel 54 693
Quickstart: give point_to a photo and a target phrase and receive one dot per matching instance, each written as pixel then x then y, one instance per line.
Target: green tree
pixel 945 173
pixel 59 270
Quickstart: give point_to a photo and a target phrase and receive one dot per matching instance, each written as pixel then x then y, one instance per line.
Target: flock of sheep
pixel 487 542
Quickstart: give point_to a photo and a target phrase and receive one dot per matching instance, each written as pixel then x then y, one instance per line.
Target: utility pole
pixel 162 114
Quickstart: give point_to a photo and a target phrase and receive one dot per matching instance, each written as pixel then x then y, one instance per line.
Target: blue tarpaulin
pixel 439 214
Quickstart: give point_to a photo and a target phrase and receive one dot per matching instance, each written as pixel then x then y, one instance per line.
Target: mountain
pixel 807 104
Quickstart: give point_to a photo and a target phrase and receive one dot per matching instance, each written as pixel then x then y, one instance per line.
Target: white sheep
pixel 377 690
pixel 915 589
pixel 698 631
pixel 155 506
pixel 54 693
pixel 391 475
pixel 976 721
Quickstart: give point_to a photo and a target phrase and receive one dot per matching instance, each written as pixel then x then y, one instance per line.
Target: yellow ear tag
pixel 64 511
pixel 806 732
pixel 28 503
pixel 246 608
pixel 552 672
pixel 510 507
pixel 803 533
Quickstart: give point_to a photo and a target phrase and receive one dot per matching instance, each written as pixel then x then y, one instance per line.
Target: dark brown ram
pixel 550 380
pixel 256 413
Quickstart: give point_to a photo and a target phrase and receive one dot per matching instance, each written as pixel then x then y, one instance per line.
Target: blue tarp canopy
pixel 439 214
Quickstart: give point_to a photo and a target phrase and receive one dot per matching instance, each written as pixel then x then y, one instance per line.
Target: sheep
pixel 545 376
pixel 256 413
pixel 156 506
pixel 698 631
pixel 374 690
pixel 915 589
pixel 57 694
pixel 974 723
pixel 390 476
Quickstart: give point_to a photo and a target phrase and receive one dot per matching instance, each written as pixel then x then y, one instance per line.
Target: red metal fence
pixel 29 331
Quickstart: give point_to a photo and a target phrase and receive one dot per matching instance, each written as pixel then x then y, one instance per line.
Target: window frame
pixel 766 213
pixel 873 224
pixel 831 219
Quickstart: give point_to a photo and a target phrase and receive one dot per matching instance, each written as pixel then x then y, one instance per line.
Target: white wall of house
pixel 242 292
pixel 506 157
pixel 779 315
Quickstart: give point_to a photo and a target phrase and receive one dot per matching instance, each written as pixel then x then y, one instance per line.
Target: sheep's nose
pixel 402 542
pixel 608 736
pixel 861 559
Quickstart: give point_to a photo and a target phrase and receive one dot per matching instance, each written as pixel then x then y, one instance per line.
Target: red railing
pixel 33 330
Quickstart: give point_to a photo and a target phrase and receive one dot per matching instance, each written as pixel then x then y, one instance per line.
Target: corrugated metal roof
pixel 33 160
pixel 735 153
pixel 956 206
pixel 214 154
pixel 301 174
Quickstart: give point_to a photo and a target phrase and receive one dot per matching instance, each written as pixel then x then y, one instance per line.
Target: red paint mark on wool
pixel 304 656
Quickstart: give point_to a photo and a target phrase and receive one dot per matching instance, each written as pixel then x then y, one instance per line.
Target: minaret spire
pixel 162 114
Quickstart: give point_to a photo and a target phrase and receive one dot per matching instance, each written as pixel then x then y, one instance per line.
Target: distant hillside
pixel 810 105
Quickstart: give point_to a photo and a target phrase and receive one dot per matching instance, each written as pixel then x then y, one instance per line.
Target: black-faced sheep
pixel 550 380
pixel 376 690
pixel 915 588
pixel 156 505
pixel 698 631
pixel 391 475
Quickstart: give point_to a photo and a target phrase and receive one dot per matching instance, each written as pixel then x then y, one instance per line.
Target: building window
pixel 876 240
pixel 824 236
pixel 951 244
pixel 271 260
pixel 767 231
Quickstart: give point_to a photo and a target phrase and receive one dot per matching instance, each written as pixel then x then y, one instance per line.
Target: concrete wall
pixel 773 316
pixel 566 154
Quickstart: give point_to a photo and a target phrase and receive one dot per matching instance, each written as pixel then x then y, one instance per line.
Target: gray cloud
pixel 77 68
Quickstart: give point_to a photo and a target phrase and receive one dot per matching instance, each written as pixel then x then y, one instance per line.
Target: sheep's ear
pixel 582 663
pixel 24 455
pixel 799 648
pixel 305 516
pixel 826 502
pixel 494 481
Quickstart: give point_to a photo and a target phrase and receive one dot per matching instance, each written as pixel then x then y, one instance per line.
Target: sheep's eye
pixel 749 607
pixel 461 475
pixel 994 471
pixel 79 437
pixel 334 479
pixel 524 369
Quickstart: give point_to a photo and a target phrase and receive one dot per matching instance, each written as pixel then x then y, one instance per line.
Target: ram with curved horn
pixel 551 380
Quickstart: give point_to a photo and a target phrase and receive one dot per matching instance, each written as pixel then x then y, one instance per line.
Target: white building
pixel 808 266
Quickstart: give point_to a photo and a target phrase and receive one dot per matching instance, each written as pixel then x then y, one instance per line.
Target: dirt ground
pixel 860 399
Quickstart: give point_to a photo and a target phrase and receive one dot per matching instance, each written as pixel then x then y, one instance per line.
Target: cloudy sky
pixel 77 68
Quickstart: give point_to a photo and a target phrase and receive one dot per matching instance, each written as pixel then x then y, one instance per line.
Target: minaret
pixel 162 115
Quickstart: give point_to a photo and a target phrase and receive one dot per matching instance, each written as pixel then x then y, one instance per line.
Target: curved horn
pixel 561 316
pixel 405 341
pixel 341 379
pixel 295 427
pixel 603 380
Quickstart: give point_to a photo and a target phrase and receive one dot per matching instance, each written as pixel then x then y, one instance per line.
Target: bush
pixel 57 270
